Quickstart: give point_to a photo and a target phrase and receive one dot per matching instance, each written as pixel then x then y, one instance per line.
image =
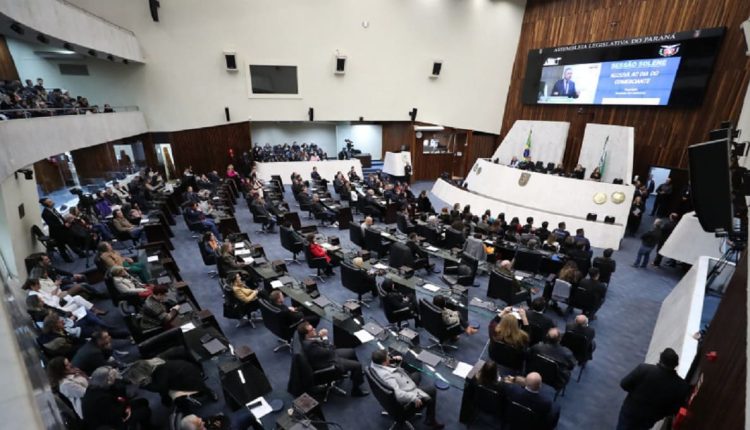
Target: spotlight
pixel 110 57
pixel 92 52
pixel 17 28
pixel 27 173
pixel 42 38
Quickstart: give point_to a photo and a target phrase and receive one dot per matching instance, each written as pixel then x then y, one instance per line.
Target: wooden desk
pixel 365 159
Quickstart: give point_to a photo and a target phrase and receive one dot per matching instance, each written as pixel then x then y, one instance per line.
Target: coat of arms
pixel 524 179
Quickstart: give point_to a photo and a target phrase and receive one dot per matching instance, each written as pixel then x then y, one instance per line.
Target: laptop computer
pixel 429 358
pixel 373 329
pixel 322 301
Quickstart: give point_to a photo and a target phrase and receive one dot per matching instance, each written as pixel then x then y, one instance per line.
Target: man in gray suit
pixel 474 248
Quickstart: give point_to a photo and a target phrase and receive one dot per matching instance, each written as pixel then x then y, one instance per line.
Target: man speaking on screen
pixel 565 87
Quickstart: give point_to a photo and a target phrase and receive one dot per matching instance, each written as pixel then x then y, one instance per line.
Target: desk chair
pixel 317 263
pixel 48 242
pixel 132 299
pixel 485 399
pixel 503 288
pixel 584 300
pixel 520 417
pixel 561 292
pixel 209 259
pixel 550 371
pixel 463 273
pixel 375 243
pixel 400 255
pixel 507 356
pixel 238 310
pixel 431 319
pixel 355 235
pixel 581 348
pixel 358 281
pixel 431 235
pixel 527 261
pixel 314 380
pixel 276 324
pixel 291 243
pixel 402 223
pixel 386 396
pixel 454 238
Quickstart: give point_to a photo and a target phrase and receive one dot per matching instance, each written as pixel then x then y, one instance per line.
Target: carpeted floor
pixel 623 330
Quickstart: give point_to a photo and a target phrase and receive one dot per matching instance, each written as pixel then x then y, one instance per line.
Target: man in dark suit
pixel 581 326
pixel 290 315
pixel 540 322
pixel 304 197
pixel 650 184
pixel 606 265
pixel 654 392
pixel 663 194
pixel 527 392
pixel 58 230
pixel 259 208
pixel 420 256
pixel 565 87
pixel 315 175
pixel 666 229
pixel 95 353
pixel 552 349
pixel 320 354
pixel 594 286
pixel 196 216
pixel 543 231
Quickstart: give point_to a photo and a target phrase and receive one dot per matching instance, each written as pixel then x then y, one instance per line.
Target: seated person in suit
pixel 424 204
pixel 370 275
pixel 581 326
pixel 321 212
pixel 537 318
pixel 291 315
pixel 505 268
pixel 154 314
pixel 315 175
pixel 580 237
pixel 320 354
pixel 191 196
pixel 419 255
pixel 259 208
pixel 408 388
pixel 353 176
pixel 527 391
pixel 452 317
pixel 395 299
pixel 195 216
pixel 175 380
pixel 474 247
pixel 228 262
pixel 606 265
pixel 542 232
pixel 95 353
pixel 367 223
pixel 560 232
pixel 561 355
pixel 593 285
pixel 371 205
pixel 304 197
pixel 106 404
pixel 318 251
pixel 505 328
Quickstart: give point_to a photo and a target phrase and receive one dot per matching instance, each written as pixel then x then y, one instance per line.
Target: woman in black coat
pixel 105 404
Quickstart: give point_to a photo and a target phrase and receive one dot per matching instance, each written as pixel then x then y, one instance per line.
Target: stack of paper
pixel 248 260
pixel 153 259
pixel 431 248
pixel 276 284
pixel 240 252
pixel 187 327
pixel 363 336
pixel 262 409
pixel 380 266
pixel 239 245
pixel 430 287
pixel 462 369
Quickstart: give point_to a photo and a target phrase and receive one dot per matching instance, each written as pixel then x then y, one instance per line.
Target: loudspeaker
pixel 340 65
pixel 618 181
pixel 591 217
pixel 711 185
pixel 311 114
pixel 230 58
pixel 154 7
pixel 226 113
pixel 436 67
pixel 413 114
pixel 609 220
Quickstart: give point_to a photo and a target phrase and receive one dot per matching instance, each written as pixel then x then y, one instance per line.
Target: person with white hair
pixel 106 404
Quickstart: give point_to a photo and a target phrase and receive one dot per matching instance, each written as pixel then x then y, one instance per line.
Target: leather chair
pixel 394 315
pixel 357 281
pixel 355 235
pixel 291 243
pixel 161 342
pixel 258 218
pixel 276 324
pixel 479 398
pixel 501 287
pixel 462 274
pixel 317 263
pixel 507 356
pixel 313 380
pixel 209 259
pixel 132 299
pixel 431 318
pixel 402 223
pixel 550 371
pixel 133 323
pixel 520 417
pixel 431 235
pixel 581 348
pixel 454 238
pixel 375 243
pixel 386 396
pixel 583 299
pixel 527 261
pixel 236 309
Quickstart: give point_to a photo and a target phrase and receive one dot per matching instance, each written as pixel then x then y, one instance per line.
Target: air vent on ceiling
pixel 74 69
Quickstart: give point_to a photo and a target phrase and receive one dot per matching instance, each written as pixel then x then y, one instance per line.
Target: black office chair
pixel 487 400
pixel 258 218
pixel 400 255
pixel 291 243
pixel 394 315
pixel 357 281
pixel 277 325
pixel 550 371
pixel 502 287
pixel 581 348
pixel 209 259
pixel 520 417
pixel 196 228
pixel 584 300
pixel 238 310
pixel 527 261
pixel 431 235
pixel 312 380
pixel 48 242
pixel 375 243
pixel 536 333
pixel 133 323
pixel 507 356
pixel 462 274
pixel 355 235
pixel 386 396
pixel 454 238
pixel 402 223
pixel 317 263
pixel 431 319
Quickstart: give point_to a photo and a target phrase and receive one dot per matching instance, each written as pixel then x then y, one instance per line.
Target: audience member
pixel 107 405
pixel 528 392
pixel 68 381
pixel 552 349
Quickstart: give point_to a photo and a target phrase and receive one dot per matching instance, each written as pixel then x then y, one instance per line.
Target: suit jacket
pixel 90 357
pixel 559 89
pixel 539 320
pixel 404 388
pixel 606 268
pixel 560 354
pixel 653 393
pixel 596 287
pixel 475 248
pixel 102 408
pixel 320 354
pixel 315 175
pixel 416 251
pixel 54 220
pixel 537 402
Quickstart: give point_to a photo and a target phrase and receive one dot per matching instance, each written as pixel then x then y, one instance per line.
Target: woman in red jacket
pixel 318 251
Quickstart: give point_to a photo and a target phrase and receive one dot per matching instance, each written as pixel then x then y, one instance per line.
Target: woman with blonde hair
pixel 507 330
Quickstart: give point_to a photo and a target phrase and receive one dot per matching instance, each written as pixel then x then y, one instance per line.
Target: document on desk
pixel 153 258
pixel 248 260
pixel 187 327
pixel 462 369
pixel 261 410
pixel 363 336
pixel 431 248
pixel 276 284
pixel 241 252
pixel 144 220
pixel 80 312
pixel 430 287
pixel 380 266
pixel 239 245
pixel 386 234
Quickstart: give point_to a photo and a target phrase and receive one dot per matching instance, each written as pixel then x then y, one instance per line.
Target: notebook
pixel 429 358
pixel 214 346
pixel 373 328
pixel 322 301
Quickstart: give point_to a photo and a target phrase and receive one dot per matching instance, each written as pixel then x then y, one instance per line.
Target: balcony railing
pixel 9 114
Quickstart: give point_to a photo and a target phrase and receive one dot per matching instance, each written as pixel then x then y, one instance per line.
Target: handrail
pixel 67 3
pixel 73 110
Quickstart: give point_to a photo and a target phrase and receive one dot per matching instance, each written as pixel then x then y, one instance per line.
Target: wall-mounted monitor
pixel 664 70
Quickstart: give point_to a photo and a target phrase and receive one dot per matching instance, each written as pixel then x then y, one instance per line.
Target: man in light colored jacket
pixel 407 388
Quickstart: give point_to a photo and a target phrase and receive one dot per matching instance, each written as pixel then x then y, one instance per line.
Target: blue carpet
pixel 624 327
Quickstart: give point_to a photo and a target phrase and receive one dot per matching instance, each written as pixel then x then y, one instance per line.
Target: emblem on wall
pixel 524 179
pixel 618 197
pixel 600 198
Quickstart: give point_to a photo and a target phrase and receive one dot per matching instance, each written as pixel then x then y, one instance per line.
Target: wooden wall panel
pixel 396 134
pixel 661 134
pixel 95 162
pixel 208 148
pixel 8 69
pixel 720 402
pixel 47 175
